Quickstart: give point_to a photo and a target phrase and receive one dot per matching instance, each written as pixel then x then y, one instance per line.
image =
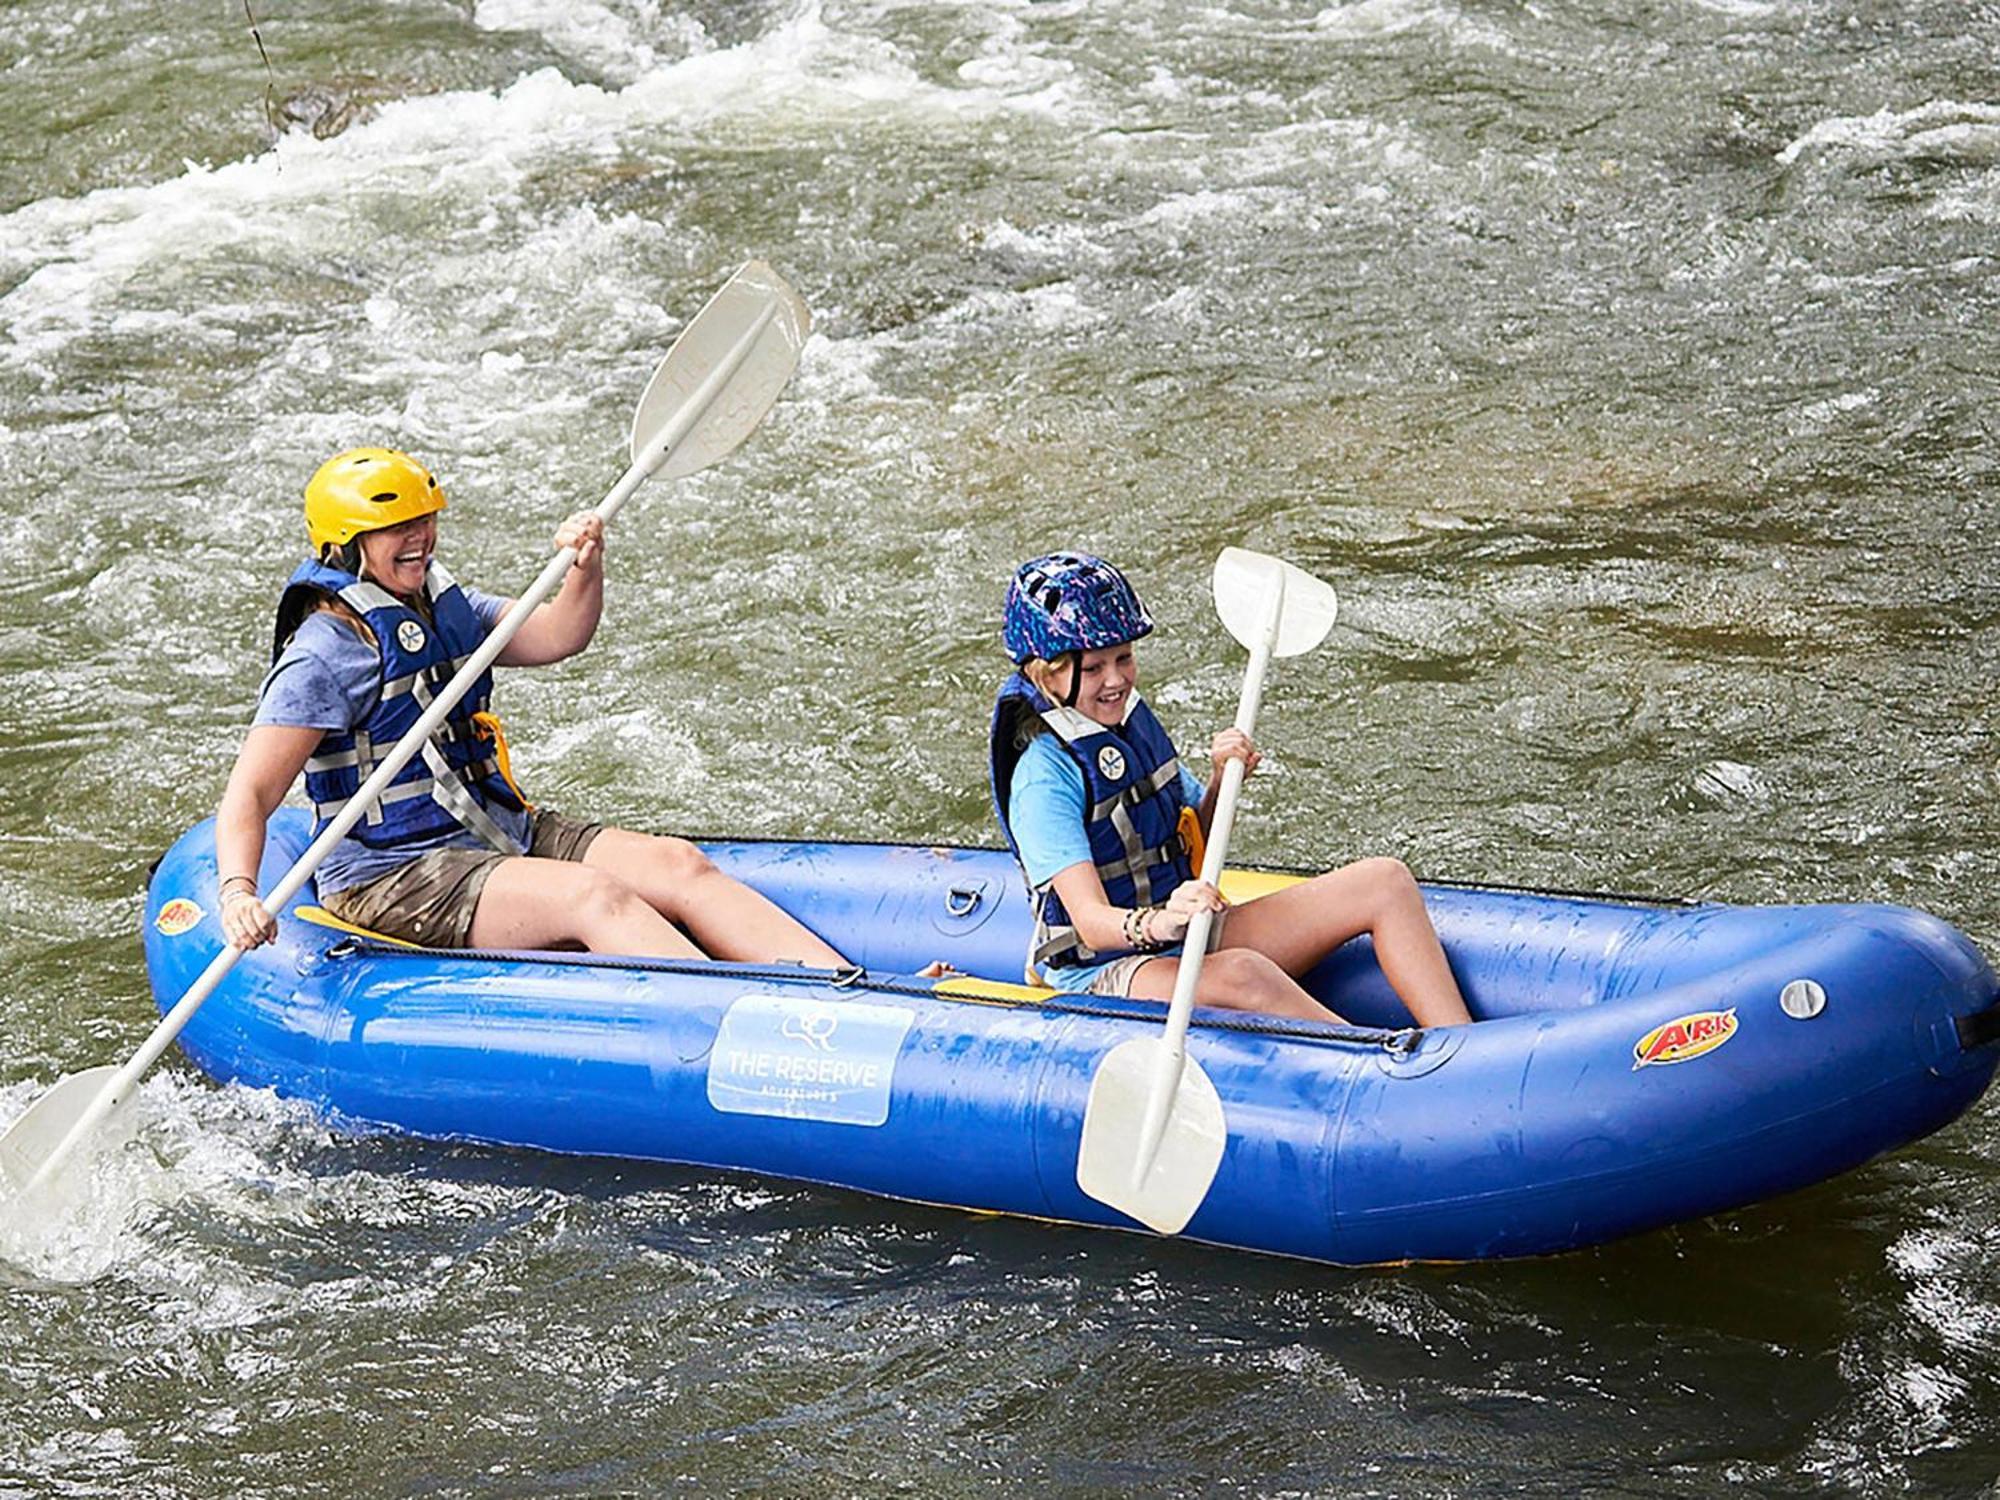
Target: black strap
pixel 855 978
pixel 1979 1028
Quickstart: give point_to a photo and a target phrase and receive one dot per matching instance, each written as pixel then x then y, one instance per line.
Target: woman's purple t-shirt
pixel 329 678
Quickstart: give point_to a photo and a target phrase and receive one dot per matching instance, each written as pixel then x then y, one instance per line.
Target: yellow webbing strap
pixel 965 987
pixel 1196 841
pixel 324 918
pixel 486 724
pixel 1247 885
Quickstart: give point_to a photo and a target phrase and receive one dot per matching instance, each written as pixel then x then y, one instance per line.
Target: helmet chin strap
pixel 1075 678
pixel 346 556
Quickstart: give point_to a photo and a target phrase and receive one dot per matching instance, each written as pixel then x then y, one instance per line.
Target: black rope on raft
pixel 1497 887
pixel 857 979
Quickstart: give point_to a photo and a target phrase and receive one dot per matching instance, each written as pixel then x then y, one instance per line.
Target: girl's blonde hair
pixel 1043 675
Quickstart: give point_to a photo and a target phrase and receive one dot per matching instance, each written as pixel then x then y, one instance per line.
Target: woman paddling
pixel 452 855
pixel 1107 825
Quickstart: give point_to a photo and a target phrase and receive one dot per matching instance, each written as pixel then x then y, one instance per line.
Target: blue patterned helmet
pixel 1070 601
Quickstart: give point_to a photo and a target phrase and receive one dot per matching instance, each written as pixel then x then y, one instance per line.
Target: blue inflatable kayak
pixel 1632 1064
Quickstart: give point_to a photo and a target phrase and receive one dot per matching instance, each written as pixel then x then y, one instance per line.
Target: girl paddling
pixel 1107 824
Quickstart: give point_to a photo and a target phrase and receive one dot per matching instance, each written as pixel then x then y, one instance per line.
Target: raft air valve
pixel 1802 999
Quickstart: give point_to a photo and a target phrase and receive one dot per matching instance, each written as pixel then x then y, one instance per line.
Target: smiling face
pixel 396 557
pixel 1108 676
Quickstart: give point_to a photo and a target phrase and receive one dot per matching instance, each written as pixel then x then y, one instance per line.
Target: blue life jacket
pixel 1133 800
pixel 456 777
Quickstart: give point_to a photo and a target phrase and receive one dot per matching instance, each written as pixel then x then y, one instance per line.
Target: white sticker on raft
pixel 804 1059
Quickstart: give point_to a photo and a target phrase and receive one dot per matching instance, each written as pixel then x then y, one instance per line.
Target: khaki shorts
pixel 1117 975
pixel 431 899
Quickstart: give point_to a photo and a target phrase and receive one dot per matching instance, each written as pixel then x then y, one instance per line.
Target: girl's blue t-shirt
pixel 1046 813
pixel 329 678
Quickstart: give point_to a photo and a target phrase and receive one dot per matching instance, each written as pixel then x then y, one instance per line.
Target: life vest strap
pixel 1194 843
pixel 486 726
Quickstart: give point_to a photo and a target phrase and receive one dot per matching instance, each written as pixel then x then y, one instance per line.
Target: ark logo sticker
pixel 410 636
pixel 1111 763
pixel 1684 1038
pixel 177 916
pixel 799 1058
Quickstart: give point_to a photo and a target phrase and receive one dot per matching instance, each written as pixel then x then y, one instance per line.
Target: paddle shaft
pixel 126 1079
pixel 1194 947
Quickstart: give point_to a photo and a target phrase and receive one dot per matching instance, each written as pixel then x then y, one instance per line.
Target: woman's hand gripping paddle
pixel 714 386
pixel 1153 1131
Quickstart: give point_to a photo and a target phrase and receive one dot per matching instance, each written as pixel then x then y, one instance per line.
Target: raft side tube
pixel 1587 1123
pixel 1619 1105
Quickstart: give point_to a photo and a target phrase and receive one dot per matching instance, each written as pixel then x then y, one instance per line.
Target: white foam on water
pixel 1368 20
pixel 1977 203
pixel 1010 64
pixel 1162 86
pixel 1337 162
pixel 205 1172
pixel 1942 1270
pixel 1183 216
pixel 1189 306
pixel 102 1215
pixel 79 257
pixel 1729 781
pixel 804 75
pixel 1373 163
pixel 1045 245
pixel 645 752
pixel 77 262
pixel 1814 415
pixel 1371 18
pixel 1747 10
pixel 1057 307
pixel 835 373
pixel 1943 130
pixel 622 44
pixel 1379 166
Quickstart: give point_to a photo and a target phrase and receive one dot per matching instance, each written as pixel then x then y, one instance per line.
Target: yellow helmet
pixel 365 489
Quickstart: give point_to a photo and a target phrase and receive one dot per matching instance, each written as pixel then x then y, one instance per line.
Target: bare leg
pixel 1300 925
pixel 1233 979
pixel 725 916
pixel 534 903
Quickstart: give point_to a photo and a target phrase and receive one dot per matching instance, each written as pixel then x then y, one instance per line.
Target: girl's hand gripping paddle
pixel 1153 1130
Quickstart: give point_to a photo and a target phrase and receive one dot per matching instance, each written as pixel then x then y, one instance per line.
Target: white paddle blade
pixel 1114 1123
pixel 755 294
pixel 1244 583
pixel 32 1139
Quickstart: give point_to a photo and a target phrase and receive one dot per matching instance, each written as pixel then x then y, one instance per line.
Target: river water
pixel 1629 369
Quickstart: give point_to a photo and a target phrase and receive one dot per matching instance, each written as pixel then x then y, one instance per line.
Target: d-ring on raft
pixel 1634 1063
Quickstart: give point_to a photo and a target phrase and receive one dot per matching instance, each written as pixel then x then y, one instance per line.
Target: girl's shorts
pixel 1115 978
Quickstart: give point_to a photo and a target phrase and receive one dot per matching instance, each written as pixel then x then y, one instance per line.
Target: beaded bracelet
pixel 1137 933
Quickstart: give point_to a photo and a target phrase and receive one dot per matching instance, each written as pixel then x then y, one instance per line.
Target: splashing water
pixel 1627 373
